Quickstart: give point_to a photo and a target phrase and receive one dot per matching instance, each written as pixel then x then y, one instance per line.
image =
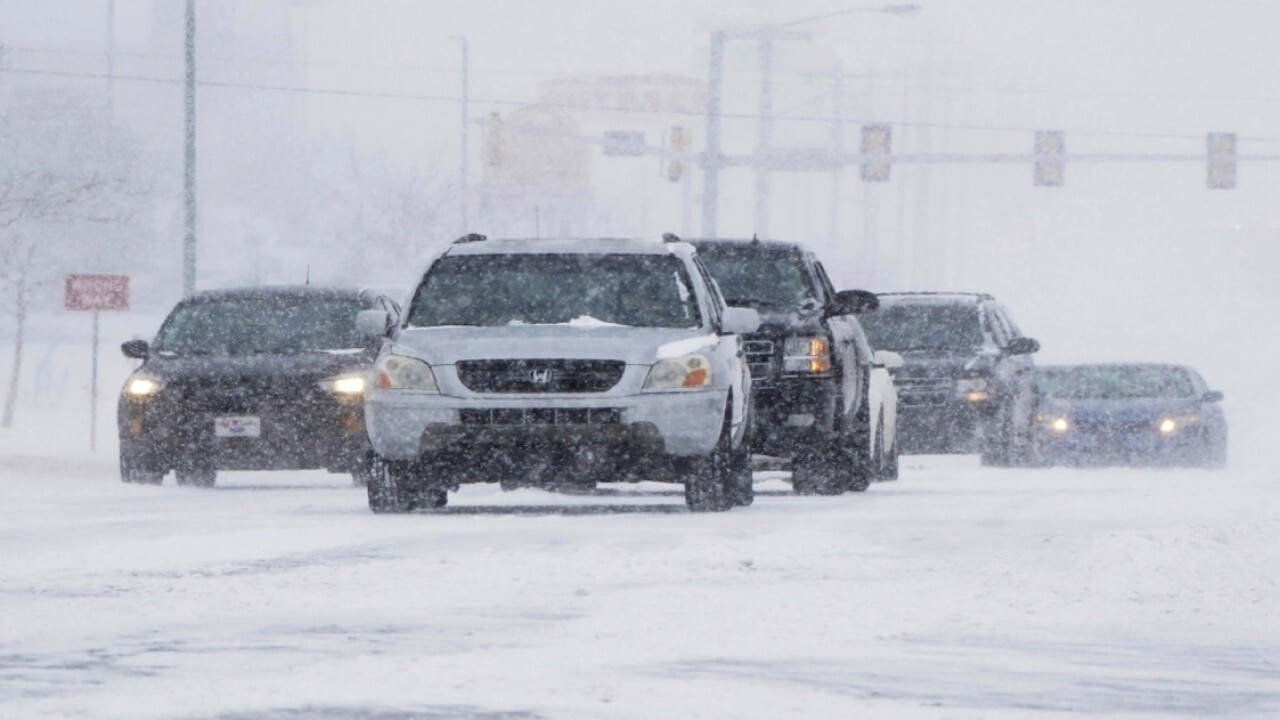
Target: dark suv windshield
pixel 923 327
pixel 490 290
pixel 752 276
pixel 1119 382
pixel 251 325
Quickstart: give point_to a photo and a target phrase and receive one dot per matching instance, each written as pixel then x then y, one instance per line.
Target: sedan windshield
pixel 750 276
pixel 552 289
pixel 923 327
pixel 261 325
pixel 1120 382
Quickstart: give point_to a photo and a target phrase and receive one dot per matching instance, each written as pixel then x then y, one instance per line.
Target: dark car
pixel 823 398
pixel 250 379
pixel 1129 414
pixel 968 382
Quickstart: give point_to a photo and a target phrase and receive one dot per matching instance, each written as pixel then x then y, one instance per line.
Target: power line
pixel 622 111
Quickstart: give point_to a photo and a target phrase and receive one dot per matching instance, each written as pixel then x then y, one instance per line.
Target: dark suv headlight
pixel 806 355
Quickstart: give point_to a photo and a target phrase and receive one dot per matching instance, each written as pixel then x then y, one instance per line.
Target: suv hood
pixel 940 363
pixel 635 346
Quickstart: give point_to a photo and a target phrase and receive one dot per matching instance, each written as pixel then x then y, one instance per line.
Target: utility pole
pixel 837 147
pixel 111 58
pixel 464 150
pixel 189 172
pixel 765 138
pixel 711 159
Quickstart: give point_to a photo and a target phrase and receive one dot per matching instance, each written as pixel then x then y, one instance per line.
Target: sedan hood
pixel 635 346
pixel 238 368
pixel 1123 411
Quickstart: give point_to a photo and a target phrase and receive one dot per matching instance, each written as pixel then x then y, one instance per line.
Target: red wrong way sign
pixel 97 292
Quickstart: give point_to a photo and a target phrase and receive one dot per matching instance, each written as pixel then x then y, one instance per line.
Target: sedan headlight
pixel 806 355
pixel 973 389
pixel 1172 424
pixel 349 385
pixel 1056 423
pixel 142 386
pixel 397 372
pixel 689 371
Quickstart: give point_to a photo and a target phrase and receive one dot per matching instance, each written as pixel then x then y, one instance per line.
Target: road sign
pixel 618 143
pixel 97 292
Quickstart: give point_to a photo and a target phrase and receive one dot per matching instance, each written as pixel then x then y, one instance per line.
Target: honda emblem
pixel 541 376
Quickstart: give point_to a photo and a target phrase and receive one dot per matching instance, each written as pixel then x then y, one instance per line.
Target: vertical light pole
pixel 464 151
pixel 189 171
pixel 765 138
pixel 711 159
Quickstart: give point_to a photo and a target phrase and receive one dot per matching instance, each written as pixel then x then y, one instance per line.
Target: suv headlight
pixel 397 372
pixel 689 371
pixel 806 355
pixel 350 385
pixel 141 385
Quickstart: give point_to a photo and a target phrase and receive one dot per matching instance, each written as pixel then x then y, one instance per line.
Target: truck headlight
pixel 349 385
pixel 806 355
pixel 397 372
pixel 689 371
pixel 973 389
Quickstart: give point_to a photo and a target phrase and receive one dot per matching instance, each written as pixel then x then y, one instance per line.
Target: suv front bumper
pixel 792 412
pixel 405 425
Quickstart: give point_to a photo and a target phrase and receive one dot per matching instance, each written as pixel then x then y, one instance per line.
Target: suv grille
pixel 541 416
pixel 924 391
pixel 759 358
pixel 540 376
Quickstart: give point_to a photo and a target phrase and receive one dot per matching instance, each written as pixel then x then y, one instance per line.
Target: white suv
pixel 553 362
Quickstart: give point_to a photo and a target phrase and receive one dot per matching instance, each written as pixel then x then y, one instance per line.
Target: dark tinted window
pixel 924 327
pixel 489 290
pixel 1120 382
pixel 755 275
pixel 261 325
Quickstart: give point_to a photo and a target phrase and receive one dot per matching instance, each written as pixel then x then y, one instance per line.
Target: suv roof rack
pixel 470 238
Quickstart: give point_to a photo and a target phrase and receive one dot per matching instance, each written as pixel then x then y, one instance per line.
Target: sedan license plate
pixel 232 427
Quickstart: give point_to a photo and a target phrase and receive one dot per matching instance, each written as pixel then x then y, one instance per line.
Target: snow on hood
pixel 588 341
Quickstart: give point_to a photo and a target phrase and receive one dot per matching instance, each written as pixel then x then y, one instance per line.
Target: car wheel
pixel 707 483
pixel 997 436
pixel 1215 453
pixel 390 483
pixel 135 474
pixel 888 466
pixel 196 474
pixel 741 483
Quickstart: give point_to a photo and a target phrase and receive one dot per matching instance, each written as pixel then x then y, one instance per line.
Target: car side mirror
pixel 854 302
pixel 740 321
pixel 1212 396
pixel 1022 346
pixel 887 359
pixel 372 323
pixel 136 349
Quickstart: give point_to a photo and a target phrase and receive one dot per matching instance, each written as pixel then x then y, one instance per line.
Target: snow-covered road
pixel 958 592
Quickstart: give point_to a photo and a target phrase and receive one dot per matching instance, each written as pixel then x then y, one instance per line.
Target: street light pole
pixel 189 171
pixel 464 121
pixel 711 159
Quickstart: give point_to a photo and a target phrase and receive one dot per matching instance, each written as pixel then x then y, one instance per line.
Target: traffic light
pixel 678 141
pixel 876 140
pixel 1050 168
pixel 1222 161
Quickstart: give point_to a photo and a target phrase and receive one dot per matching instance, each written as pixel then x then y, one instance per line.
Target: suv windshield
pixel 912 326
pixel 553 289
pixel 261 325
pixel 754 276
pixel 1118 382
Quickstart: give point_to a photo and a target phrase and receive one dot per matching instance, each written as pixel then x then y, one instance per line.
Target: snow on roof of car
pixel 274 291
pixel 557 246
pixel 933 297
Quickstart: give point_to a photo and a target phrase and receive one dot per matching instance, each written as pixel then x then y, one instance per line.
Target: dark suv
pixel 822 397
pixel 250 379
pixel 968 382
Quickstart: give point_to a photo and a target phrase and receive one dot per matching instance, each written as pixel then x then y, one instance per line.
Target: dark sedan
pixel 250 379
pixel 1130 414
